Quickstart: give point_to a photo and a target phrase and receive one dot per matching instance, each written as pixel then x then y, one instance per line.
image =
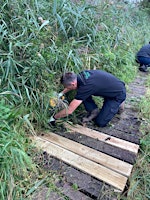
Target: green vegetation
pixel 140 180
pixel 146 5
pixel 39 40
pixel 15 164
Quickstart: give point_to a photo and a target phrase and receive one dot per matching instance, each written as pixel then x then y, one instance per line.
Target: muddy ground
pixel 76 185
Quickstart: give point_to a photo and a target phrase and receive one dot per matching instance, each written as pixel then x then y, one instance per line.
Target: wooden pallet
pixel 106 168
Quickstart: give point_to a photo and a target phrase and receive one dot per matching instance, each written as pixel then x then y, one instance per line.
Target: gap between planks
pixel 94 169
pixel 114 141
pixel 89 153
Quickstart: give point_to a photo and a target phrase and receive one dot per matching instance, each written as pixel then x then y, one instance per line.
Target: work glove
pixel 51 121
pixel 60 94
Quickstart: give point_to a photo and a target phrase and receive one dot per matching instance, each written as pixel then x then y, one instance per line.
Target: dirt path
pixel 76 185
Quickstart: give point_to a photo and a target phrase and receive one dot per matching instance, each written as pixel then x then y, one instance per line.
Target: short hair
pixel 68 78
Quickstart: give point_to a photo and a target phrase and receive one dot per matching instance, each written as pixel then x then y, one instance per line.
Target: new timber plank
pixel 89 153
pixel 100 172
pixel 104 138
pixel 114 151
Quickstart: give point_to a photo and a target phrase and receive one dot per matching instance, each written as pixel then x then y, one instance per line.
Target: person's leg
pixel 109 109
pixel 121 108
pixel 143 68
pixel 92 109
pixel 144 60
pixel 144 63
pixel 89 104
pixel 92 115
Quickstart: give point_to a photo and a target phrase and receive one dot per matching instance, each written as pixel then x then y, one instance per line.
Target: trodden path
pixel 91 166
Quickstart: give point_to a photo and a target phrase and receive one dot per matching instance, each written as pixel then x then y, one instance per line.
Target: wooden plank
pixel 100 172
pixel 85 182
pixel 104 138
pixel 72 193
pixel 91 154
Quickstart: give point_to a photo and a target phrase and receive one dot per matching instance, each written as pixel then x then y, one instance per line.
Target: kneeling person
pixel 143 57
pixel 90 83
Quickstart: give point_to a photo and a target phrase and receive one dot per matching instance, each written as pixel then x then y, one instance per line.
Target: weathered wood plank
pixel 44 193
pixel 69 174
pixel 73 194
pixel 84 181
pixel 120 133
pixel 104 138
pixel 91 154
pixel 100 172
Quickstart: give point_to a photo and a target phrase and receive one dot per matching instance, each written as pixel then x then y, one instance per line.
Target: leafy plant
pixel 139 188
pixel 146 5
pixel 39 40
pixel 15 165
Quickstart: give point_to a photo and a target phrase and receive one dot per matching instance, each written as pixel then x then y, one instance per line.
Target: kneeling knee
pixel 101 124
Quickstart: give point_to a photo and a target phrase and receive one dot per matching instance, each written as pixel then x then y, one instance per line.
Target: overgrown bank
pixel 139 182
pixel 33 55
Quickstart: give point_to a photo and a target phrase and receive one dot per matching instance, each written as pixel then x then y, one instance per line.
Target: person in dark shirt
pixel 90 83
pixel 143 57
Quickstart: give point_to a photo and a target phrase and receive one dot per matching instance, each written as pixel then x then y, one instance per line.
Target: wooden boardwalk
pixel 99 165
pixel 97 161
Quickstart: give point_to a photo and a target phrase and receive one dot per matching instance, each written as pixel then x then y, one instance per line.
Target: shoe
pixel 121 108
pixel 92 115
pixel 143 68
pixel 137 60
pixel 120 111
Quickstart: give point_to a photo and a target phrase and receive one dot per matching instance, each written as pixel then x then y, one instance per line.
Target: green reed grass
pixel 140 180
pixel 15 164
pixel 105 35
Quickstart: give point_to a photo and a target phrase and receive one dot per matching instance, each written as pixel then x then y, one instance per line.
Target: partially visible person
pixel 143 58
pixel 90 83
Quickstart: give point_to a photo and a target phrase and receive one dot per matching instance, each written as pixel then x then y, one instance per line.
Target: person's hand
pixel 51 121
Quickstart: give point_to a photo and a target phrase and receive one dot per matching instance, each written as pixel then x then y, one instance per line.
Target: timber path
pixel 92 162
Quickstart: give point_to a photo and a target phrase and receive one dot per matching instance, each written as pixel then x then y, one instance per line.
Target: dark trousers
pixel 144 60
pixel 109 109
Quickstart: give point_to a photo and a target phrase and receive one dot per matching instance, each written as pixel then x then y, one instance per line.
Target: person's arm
pixel 63 92
pixel 67 111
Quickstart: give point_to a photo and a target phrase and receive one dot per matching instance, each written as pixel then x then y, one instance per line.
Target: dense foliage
pixel 39 40
pixel 15 164
pixel 139 182
pixel 146 5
